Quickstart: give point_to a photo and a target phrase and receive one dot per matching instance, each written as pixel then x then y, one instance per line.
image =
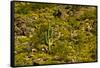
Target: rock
pixel 38 61
pixel 34 50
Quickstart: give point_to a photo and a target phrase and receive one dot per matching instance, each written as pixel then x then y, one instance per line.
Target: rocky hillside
pixel 54 33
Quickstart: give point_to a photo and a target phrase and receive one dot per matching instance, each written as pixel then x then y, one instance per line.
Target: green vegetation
pixel 54 33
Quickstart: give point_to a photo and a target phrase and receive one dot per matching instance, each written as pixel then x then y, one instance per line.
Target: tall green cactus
pixel 48 36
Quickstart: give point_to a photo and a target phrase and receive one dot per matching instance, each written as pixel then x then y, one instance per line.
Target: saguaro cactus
pixel 48 37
